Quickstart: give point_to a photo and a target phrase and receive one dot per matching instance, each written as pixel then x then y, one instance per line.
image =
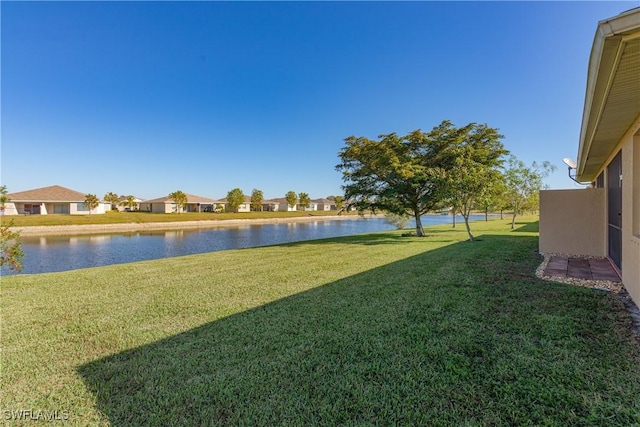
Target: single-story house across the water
pixel 167 205
pixel 604 220
pixel 245 206
pixel 282 205
pixel 122 204
pixel 323 205
pixel 54 199
pixel 270 205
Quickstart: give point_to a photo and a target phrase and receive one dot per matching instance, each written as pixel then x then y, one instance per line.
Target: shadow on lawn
pixel 377 347
pixel 527 227
pixel 377 238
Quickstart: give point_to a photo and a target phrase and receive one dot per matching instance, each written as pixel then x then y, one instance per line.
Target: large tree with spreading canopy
pixel 418 172
pixel 405 175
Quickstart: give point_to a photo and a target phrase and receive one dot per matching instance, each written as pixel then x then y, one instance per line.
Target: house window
pixel 61 208
pixel 82 207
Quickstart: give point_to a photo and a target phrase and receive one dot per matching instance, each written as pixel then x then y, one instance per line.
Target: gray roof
pixel 247 199
pixel 53 193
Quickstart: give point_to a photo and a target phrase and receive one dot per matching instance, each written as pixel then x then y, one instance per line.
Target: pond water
pixel 60 253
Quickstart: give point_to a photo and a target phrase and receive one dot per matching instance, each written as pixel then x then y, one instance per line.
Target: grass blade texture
pixel 376 329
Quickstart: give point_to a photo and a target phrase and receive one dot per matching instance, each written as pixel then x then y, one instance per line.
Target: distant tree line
pixel 235 198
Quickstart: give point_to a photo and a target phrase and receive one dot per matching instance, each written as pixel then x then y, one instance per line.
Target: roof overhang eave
pixel 609 40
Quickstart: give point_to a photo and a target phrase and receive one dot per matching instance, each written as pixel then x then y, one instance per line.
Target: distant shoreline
pixel 61 230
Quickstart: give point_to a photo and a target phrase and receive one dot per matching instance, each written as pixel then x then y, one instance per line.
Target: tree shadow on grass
pixel 378 238
pixel 402 343
pixel 527 227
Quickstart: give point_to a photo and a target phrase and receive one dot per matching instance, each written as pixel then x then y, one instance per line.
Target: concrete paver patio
pixel 581 268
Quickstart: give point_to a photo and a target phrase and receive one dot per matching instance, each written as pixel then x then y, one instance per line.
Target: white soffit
pixel 612 101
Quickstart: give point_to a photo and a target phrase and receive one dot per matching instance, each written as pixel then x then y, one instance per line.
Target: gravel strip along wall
pixel 615 288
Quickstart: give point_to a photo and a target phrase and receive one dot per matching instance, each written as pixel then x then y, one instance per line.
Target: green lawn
pixel 142 217
pixel 376 329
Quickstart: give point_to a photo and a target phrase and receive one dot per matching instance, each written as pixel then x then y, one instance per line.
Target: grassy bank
pixel 146 217
pixel 372 329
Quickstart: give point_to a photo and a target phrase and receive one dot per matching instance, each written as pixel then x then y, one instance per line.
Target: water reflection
pixel 60 253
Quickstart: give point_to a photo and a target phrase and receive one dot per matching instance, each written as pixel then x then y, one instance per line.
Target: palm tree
pixel 91 201
pixel 111 198
pixel 180 199
pixel 130 202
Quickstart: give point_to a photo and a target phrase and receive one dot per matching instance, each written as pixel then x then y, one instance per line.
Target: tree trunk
pixel 419 229
pixel 486 214
pixel 466 223
pixel 453 218
pixel 515 213
pixel 501 214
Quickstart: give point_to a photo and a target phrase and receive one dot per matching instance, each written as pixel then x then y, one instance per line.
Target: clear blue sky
pixel 146 98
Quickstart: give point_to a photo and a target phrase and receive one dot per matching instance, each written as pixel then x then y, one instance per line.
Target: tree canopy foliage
pixel 111 198
pixel 257 197
pixel 11 253
pixel 3 197
pixel 523 183
pixel 180 199
pixel 415 173
pixel 235 198
pixel 291 197
pixel 339 201
pixel 397 174
pixel 477 154
pixel 130 202
pixel 304 200
pixel 91 201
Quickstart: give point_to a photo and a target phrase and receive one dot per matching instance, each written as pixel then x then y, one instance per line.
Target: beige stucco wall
pixel 10 209
pixel 47 208
pixel 79 208
pixel 583 214
pixel 629 144
pixel 157 207
pixel 573 222
pixel 631 211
